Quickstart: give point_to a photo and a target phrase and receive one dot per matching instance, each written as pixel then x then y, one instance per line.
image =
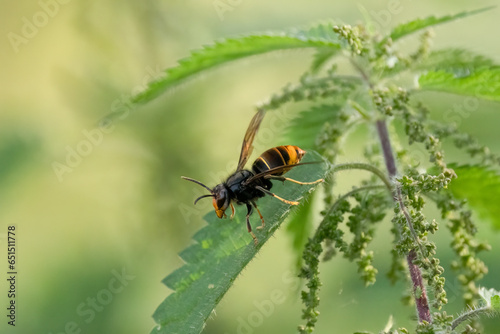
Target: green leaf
pixel 495 302
pixel 300 227
pixel 483 83
pixel 321 56
pixel 304 129
pixel 491 297
pixel 227 50
pixel 419 24
pixel 220 252
pixel 459 62
pixel 480 185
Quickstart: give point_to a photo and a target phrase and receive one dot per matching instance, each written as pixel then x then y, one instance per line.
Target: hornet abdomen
pixel 279 156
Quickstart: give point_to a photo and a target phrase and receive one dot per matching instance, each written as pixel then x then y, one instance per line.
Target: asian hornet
pixel 246 186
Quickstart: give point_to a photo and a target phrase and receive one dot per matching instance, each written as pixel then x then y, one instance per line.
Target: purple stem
pixel 424 313
pixel 421 301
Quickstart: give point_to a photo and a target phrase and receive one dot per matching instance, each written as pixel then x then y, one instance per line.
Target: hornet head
pixel 219 194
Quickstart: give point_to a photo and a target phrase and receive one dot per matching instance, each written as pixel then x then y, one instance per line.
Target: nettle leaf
pixel 224 51
pixel 411 27
pixel 304 129
pixel 459 62
pixel 300 227
pixel 322 56
pixel 480 185
pixel 483 83
pixel 491 298
pixel 495 302
pixel 221 251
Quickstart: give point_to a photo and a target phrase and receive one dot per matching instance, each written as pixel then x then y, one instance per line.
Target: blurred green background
pixel 121 210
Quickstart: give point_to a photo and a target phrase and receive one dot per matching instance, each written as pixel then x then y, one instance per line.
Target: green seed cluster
pixel 329 230
pixel 310 89
pixel 468 266
pixel 354 37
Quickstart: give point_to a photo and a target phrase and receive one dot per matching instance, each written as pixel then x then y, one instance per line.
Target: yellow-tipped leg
pixel 285 200
pixel 276 196
pixel 249 227
pixel 232 211
pixel 255 240
pixel 282 178
pixel 260 215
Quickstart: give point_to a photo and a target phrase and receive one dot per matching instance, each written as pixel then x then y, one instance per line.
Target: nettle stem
pixel 419 291
pixel 368 167
pixel 469 315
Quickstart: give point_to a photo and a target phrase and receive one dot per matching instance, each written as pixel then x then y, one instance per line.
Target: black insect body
pixel 241 190
pixel 245 186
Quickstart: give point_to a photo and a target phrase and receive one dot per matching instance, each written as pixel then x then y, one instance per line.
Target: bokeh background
pixel 121 210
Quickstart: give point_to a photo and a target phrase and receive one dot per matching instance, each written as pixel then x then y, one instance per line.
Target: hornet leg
pixel 232 211
pixel 282 178
pixel 265 191
pixel 260 215
pixel 249 227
